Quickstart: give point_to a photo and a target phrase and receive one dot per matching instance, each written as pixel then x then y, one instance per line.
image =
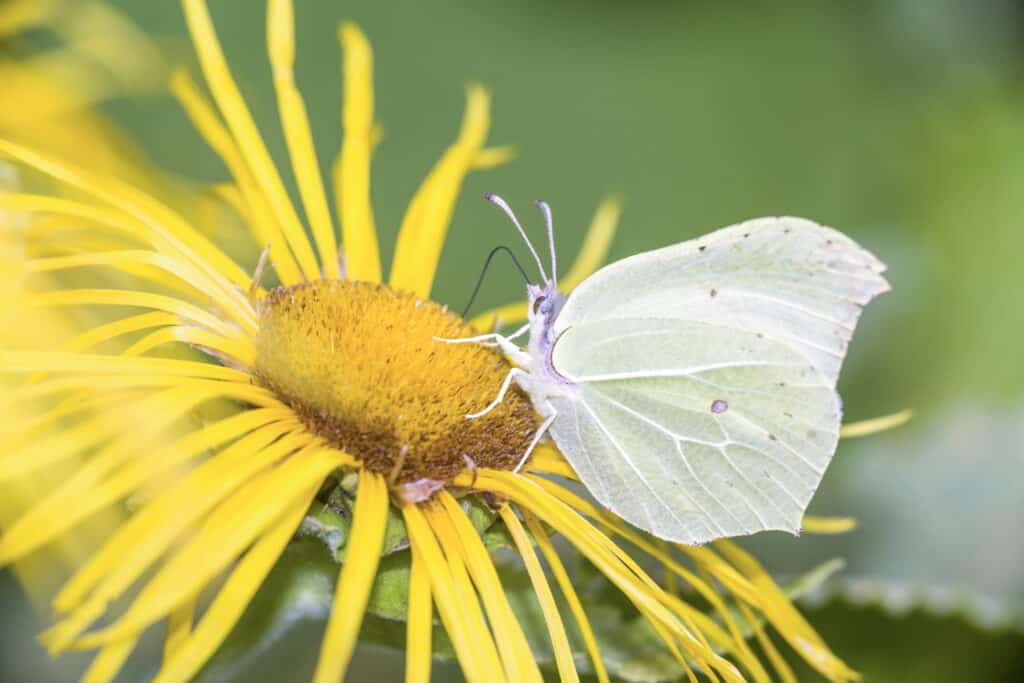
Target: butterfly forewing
pixel 705 401
pixel 786 278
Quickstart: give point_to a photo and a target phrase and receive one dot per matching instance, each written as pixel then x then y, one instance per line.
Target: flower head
pixel 221 409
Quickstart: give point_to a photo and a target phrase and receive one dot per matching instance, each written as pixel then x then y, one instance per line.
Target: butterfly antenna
pixel 546 210
pixel 495 199
pixel 483 272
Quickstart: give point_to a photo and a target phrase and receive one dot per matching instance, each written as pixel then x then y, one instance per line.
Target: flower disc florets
pixel 360 364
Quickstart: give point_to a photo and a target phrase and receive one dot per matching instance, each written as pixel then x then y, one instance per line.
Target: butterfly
pixel 693 387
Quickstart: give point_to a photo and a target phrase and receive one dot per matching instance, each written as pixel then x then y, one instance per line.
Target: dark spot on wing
pixel 719 406
pixel 702 247
pixel 714 293
pixel 773 437
pixel 746 235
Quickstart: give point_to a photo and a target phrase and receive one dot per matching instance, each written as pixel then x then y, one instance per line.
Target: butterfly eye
pixel 537 303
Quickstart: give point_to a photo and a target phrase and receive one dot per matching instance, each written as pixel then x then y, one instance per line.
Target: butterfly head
pixel 545 301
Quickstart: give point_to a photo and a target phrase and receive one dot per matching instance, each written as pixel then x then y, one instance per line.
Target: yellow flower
pixel 332 370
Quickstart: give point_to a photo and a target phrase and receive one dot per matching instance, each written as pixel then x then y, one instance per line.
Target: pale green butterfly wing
pixel 787 278
pixel 705 403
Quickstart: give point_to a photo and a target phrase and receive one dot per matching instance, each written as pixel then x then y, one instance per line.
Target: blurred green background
pixel 899 122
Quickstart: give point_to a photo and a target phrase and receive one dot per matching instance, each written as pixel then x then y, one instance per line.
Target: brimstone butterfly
pixel 692 388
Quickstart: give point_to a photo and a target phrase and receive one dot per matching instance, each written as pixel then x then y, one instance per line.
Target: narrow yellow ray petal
pixel 163 271
pixel 124 297
pixel 492 157
pixel 673 649
pixel 352 170
pixel 241 123
pixel 78 382
pixel 228 531
pixel 671 579
pixel 509 314
pixel 782 669
pixel 237 352
pixel 614 525
pixel 116 221
pixel 425 224
pixel 299 138
pixel 548 459
pixel 828 525
pixel 419 623
pixel 261 219
pixel 20 16
pixel 39 525
pixel 179 627
pixel 556 629
pixel 365 542
pixel 786 618
pixel 145 536
pixel 56 361
pixel 232 599
pixel 513 647
pixel 592 254
pixel 14 435
pixel 739 639
pixel 97 335
pixel 589 258
pixel 217 269
pixel 483 643
pixel 109 661
pixel 444 590
pixel 164 263
pixel 65 444
pixel 648 597
pixel 82 494
pixel 569 592
pixel 855 430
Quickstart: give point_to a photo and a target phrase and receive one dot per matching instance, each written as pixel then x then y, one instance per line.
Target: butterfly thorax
pixel 545 303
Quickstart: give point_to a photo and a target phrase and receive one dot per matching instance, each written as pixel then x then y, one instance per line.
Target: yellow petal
pixel 124 297
pixel 828 525
pixel 352 169
pixel 512 645
pixel 262 221
pixel 232 599
pixel 226 533
pixel 556 629
pixel 879 424
pixel 565 584
pixel 250 142
pixel 419 623
pixel 469 637
pixel 426 220
pixel 214 267
pixel 140 541
pixel 592 254
pixel 179 628
pixel 299 138
pixel 365 542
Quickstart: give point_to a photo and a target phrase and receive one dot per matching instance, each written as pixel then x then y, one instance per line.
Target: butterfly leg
pixel 514 373
pixel 536 438
pixel 489 339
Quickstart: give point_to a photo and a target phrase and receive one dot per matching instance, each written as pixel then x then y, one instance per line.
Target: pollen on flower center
pixel 359 363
